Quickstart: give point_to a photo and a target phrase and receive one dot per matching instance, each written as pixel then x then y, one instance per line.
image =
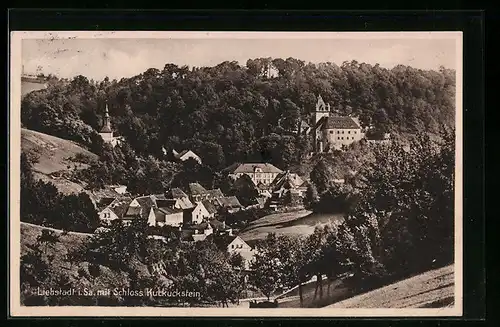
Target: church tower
pixel 106 131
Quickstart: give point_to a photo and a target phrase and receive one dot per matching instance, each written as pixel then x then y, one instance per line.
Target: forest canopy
pixel 232 112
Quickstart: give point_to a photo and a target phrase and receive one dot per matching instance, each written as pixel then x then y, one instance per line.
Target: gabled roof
pixel 183 153
pixel 229 202
pixel 283 180
pixel 133 212
pixel 209 206
pixel 219 225
pixel 146 201
pixel 223 241
pixel 159 197
pixel 103 203
pixel 196 189
pixel 339 122
pixel 250 168
pixel 175 193
pixel 215 193
pixel 119 207
pixel 180 154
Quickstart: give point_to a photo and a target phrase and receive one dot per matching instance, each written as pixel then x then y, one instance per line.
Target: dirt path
pixel 55 230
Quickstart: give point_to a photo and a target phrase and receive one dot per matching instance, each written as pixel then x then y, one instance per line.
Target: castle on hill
pixel 332 132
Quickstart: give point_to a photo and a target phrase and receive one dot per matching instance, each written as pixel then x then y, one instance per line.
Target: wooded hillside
pixel 231 113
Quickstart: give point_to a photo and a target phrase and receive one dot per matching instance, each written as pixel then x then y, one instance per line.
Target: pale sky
pixel 126 57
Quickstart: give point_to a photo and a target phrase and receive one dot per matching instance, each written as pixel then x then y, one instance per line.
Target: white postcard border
pixel 16 310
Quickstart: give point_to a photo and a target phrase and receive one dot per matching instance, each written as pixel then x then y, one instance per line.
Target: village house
pixel 221 228
pixel 230 204
pixel 197 214
pixel 110 209
pixel 109 191
pixel 182 198
pixel 263 173
pixel 198 232
pixel 212 210
pixel 167 216
pixel 332 132
pixel 287 189
pixel 132 213
pixel 185 155
pixel 235 244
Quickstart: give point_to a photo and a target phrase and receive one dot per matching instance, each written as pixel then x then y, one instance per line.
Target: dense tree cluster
pixel 43 204
pixel 230 113
pixel 399 220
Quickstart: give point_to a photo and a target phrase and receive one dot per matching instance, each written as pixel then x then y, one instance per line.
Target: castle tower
pixel 322 110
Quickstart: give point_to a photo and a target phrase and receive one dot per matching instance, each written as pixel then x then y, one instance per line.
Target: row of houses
pixel 189 218
pixel 173 208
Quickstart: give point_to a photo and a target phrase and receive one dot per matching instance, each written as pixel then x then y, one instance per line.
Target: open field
pixel 53 151
pixel 432 289
pixel 296 223
pixel 53 156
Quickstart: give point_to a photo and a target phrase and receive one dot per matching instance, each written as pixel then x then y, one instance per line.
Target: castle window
pixel 338 132
pixel 331 132
pixel 338 137
pixel 348 132
pixel 354 132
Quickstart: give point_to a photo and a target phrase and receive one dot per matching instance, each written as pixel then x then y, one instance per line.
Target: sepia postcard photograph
pixel 235 174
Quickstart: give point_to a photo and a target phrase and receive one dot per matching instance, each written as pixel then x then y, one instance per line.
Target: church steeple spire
pixel 106 126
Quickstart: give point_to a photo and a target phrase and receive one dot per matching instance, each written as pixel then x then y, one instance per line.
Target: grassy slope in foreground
pixel 107 278
pixel 53 155
pixel 432 289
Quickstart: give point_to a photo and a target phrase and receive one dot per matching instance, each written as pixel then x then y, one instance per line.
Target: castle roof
pixel 337 122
